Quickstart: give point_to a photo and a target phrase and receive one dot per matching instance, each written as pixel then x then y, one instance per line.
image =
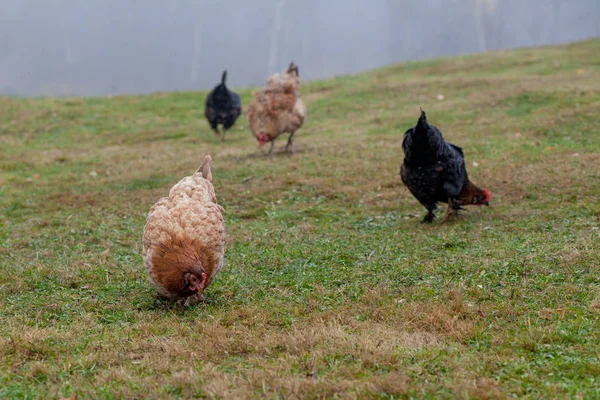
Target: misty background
pixel 102 47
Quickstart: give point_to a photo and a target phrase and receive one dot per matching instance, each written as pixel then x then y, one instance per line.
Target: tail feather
pixel 223 77
pixel 293 67
pixel 204 168
pixel 422 124
pixel 423 143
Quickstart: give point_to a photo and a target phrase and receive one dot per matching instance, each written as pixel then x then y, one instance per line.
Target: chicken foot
pixel 453 208
pixel 430 216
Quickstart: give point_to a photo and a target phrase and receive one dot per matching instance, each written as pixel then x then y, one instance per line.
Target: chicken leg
pixel 430 216
pixel 453 208
pixel 288 146
pixel 271 149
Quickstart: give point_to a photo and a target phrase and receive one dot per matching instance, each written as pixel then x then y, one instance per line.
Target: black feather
pixel 222 106
pixel 433 170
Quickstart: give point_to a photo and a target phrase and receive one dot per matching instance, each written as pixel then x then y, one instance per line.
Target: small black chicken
pixel 222 107
pixel 434 171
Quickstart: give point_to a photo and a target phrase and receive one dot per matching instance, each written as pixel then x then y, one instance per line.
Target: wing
pixel 454 167
pixel 210 113
pixel 458 149
pixel 236 105
pixel 209 102
pixel 407 143
pixel 209 107
pixel 235 100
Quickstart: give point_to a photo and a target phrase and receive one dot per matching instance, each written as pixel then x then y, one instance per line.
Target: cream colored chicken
pixel 184 238
pixel 277 108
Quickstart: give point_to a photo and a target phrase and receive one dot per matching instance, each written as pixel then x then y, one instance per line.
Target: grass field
pixel 331 286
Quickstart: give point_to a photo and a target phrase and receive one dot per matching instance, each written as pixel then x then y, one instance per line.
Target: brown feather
pixel 277 108
pixel 468 192
pixel 185 233
pixel 173 259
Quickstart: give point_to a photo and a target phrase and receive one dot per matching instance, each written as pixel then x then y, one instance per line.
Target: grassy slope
pixel 331 286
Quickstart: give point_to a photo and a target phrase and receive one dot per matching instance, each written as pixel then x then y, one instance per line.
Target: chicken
pixel 184 238
pixel 434 171
pixel 277 108
pixel 223 107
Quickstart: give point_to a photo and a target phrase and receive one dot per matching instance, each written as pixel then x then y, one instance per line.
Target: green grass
pixel 331 287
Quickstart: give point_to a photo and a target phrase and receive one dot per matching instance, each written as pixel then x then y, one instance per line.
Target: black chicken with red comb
pixel 434 171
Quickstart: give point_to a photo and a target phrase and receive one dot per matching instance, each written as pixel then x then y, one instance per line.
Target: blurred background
pixel 102 47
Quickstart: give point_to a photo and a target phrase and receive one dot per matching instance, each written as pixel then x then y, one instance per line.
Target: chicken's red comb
pixel 262 139
pixel 486 194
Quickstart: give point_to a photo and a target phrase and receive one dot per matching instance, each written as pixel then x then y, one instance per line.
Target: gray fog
pixel 102 47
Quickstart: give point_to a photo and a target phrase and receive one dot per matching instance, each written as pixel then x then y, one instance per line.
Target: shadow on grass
pixel 155 302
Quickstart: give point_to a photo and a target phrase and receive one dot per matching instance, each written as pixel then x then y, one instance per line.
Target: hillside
pixel 331 287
